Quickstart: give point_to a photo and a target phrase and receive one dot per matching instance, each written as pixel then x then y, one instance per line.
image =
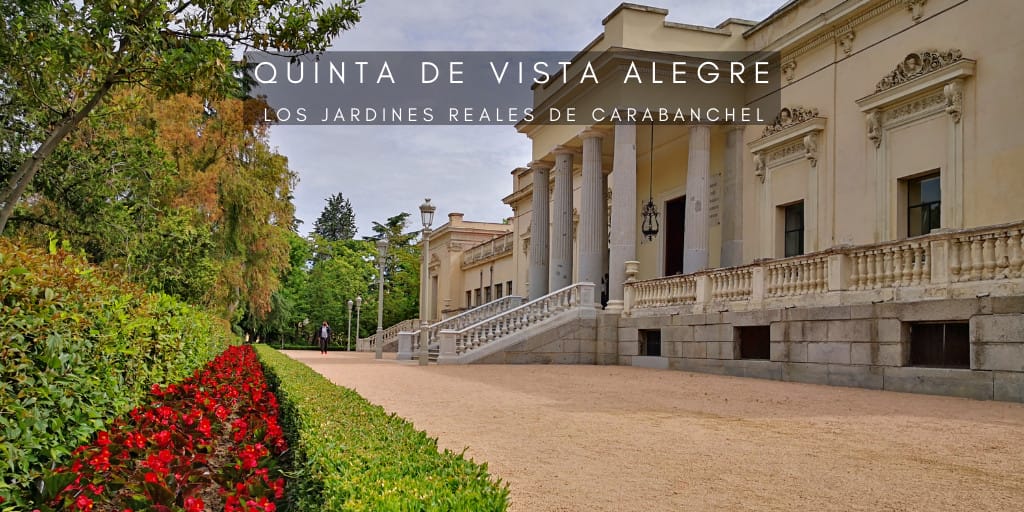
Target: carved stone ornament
pixel 789 70
pixel 916 8
pixel 846 42
pixel 954 94
pixel 789 116
pixel 874 120
pixel 918 64
pixel 760 166
pixel 811 148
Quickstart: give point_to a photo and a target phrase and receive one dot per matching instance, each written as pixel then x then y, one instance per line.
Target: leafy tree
pixel 402 269
pixel 59 61
pixel 336 222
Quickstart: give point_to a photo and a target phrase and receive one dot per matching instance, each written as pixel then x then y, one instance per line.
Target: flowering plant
pixel 209 442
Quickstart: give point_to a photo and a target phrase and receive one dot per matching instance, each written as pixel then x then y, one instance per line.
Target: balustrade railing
pixel 491 248
pixel 473 336
pixel 463 319
pixel 797 276
pixel 387 335
pixel 981 254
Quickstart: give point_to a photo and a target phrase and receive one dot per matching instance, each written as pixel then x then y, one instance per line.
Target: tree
pixel 336 222
pixel 60 60
pixel 401 270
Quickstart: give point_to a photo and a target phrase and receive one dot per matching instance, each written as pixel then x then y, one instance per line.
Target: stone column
pixel 732 199
pixel 604 235
pixel 539 231
pixel 698 164
pixel 591 211
pixel 560 269
pixel 624 213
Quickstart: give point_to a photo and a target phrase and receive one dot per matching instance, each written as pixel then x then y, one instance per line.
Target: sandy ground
pixel 619 438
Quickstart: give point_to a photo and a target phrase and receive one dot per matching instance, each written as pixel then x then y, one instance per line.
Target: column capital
pixel 592 133
pixel 540 164
pixel 564 150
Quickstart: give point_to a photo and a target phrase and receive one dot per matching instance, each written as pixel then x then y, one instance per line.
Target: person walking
pixel 324 337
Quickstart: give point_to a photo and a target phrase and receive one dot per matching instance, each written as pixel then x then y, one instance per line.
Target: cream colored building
pixel 871 235
pixel 469 265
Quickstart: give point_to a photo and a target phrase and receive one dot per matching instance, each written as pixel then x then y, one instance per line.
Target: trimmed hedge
pixel 78 348
pixel 348 454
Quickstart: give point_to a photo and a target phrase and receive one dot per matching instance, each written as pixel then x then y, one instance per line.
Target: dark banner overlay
pixel 515 88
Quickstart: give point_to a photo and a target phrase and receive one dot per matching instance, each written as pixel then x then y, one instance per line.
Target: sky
pixel 385 170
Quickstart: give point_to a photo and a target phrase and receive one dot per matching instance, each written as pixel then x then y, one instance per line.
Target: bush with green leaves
pixel 80 347
pixel 348 454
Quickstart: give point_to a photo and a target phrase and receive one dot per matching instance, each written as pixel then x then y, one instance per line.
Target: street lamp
pixel 382 251
pixel 427 216
pixel 348 334
pixel 359 305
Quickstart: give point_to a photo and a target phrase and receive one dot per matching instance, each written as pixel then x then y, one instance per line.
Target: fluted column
pixel 539 234
pixel 591 211
pixel 560 269
pixel 698 164
pixel 732 199
pixel 623 232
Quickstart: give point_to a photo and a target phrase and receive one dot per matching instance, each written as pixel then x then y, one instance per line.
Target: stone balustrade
pixel 493 248
pixel 388 336
pixel 455 342
pixel 922 263
pixel 456 322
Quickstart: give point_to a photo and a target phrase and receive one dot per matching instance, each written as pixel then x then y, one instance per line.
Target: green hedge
pixel 348 454
pixel 79 347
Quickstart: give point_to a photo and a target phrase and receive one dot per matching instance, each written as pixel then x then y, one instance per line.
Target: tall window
pixel 794 229
pixel 479 296
pixel 924 201
pixel 508 287
pixel 487 294
pixel 497 291
pixel 469 298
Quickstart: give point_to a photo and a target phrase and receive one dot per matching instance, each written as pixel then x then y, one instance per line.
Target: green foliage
pixel 78 349
pixel 336 222
pixel 401 271
pixel 350 455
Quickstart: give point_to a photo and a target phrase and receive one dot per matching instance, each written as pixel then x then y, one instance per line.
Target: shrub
pixel 348 454
pixel 79 348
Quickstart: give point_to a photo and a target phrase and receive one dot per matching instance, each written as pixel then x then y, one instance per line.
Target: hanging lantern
pixel 649 227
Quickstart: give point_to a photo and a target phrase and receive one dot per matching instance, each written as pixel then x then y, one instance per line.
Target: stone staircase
pixel 542 330
pixel 409 339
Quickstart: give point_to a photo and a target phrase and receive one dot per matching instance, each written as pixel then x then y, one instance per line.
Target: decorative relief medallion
pixel 916 8
pixel 846 42
pixel 789 70
pixel 789 116
pixel 918 64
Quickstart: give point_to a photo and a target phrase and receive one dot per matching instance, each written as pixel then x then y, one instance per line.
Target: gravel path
pixel 620 438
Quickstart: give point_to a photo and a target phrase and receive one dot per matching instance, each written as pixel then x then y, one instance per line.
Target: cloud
pixel 384 170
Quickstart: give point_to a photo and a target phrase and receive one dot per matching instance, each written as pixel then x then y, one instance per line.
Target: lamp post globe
pixel 382 251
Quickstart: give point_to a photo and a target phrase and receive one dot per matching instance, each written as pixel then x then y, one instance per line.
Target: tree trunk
pixel 27 170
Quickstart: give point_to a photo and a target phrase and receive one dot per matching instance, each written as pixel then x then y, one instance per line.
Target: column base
pixel 615 306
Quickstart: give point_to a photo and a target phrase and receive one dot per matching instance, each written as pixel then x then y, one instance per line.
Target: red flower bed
pixel 208 443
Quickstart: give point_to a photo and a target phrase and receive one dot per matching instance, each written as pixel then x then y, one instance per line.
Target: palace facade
pixel 871 235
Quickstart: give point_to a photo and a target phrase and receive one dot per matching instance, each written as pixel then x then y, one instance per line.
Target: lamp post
pixel 348 333
pixel 382 251
pixel 359 306
pixel 427 216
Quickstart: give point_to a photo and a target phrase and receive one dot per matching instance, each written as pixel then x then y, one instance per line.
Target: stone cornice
pixel 786 135
pixel 960 69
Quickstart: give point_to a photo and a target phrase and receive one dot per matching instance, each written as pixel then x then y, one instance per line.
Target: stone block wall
pixel 859 346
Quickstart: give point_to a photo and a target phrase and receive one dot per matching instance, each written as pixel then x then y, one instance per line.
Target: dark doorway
pixel 675 222
pixel 940 345
pixel 755 342
pixel 650 342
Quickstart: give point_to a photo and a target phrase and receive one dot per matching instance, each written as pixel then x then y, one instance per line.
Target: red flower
pixel 152 478
pixel 83 503
pixel 102 438
pixel 193 504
